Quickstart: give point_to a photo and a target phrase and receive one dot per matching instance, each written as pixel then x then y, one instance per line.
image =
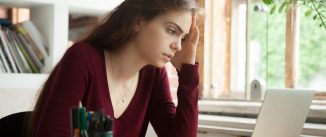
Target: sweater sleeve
pixel 64 89
pixel 181 121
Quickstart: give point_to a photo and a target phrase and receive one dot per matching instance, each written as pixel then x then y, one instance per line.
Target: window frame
pixel 292 27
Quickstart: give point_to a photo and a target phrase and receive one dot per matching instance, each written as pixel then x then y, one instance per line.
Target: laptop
pixel 283 113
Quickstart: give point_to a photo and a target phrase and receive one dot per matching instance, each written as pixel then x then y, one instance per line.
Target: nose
pixel 177 45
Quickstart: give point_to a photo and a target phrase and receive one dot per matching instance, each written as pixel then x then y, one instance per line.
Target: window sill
pixel 251 109
pixel 238 126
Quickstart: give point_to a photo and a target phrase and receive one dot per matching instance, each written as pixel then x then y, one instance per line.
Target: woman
pixel 119 67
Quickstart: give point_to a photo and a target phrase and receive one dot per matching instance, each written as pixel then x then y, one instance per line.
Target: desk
pixel 237 126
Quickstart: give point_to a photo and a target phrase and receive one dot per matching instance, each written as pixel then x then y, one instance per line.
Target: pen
pixel 75 121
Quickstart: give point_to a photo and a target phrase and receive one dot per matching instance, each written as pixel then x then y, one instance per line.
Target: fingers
pixel 196 35
pixel 194 18
pixel 193 35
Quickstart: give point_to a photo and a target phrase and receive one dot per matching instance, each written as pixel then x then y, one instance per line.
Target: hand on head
pixel 189 46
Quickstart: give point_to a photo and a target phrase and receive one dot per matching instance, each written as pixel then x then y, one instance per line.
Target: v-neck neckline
pixel 108 90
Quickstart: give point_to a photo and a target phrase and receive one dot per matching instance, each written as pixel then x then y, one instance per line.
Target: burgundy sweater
pixel 81 76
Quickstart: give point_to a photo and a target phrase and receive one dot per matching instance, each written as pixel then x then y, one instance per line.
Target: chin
pixel 160 64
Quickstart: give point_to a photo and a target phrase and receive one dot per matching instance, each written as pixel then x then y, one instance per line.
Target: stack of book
pixel 22 48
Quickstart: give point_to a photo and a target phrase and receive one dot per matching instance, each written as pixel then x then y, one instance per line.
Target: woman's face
pixel 159 39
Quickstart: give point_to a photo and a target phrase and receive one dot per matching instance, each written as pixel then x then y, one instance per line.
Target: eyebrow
pixel 178 27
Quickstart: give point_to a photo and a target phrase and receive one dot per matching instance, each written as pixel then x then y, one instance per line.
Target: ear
pixel 139 23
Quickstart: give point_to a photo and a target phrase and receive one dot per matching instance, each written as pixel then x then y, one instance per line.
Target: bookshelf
pixel 51 17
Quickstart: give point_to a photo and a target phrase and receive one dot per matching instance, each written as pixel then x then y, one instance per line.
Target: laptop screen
pixel 283 113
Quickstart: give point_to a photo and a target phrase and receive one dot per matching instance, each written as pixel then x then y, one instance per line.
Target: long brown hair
pixel 116 29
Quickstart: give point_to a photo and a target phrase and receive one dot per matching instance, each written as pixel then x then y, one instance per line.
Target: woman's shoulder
pixel 83 51
pixel 81 47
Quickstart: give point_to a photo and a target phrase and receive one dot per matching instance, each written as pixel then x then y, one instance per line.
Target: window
pixel 266 42
pixel 238 49
pixel 259 49
pixel 216 69
pixel 244 42
pixel 225 49
pixel 312 55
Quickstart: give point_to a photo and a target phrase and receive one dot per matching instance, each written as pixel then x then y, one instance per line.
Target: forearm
pixel 185 122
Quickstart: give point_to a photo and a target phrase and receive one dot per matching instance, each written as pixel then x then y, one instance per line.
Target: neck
pixel 125 63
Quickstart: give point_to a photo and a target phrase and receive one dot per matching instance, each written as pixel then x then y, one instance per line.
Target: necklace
pixel 124 96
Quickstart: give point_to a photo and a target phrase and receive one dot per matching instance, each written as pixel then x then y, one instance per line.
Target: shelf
pixel 51 18
pixel 85 7
pixel 22 81
pixel 25 3
pixel 92 7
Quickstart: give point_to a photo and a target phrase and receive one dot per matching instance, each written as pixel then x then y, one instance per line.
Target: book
pixel 36 37
pixel 2 67
pixel 21 59
pixel 30 41
pixel 4 60
pixel 28 63
pixel 36 64
pixel 5 22
pixel 13 51
pixel 9 56
pixel 22 48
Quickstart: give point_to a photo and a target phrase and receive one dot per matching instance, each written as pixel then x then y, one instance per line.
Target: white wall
pixel 12 101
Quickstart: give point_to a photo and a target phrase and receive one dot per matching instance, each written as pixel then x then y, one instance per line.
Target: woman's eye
pixel 171 31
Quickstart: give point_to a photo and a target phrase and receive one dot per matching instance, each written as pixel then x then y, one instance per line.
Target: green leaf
pixel 280 10
pixel 268 2
pixel 321 25
pixel 271 1
pixel 315 17
pixel 273 9
pixel 308 12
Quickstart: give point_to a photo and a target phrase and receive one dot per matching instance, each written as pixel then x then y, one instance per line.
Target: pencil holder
pixel 104 134
pixel 90 124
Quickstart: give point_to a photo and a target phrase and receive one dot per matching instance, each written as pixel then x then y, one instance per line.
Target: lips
pixel 168 55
